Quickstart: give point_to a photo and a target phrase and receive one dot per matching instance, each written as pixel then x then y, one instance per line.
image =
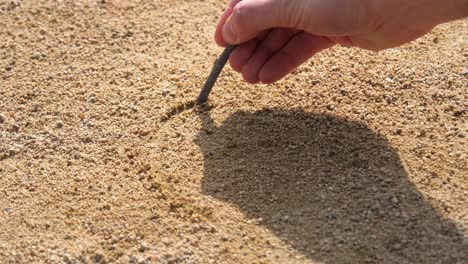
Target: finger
pixel 252 16
pixel 218 36
pixel 324 18
pixel 241 54
pixel 275 40
pixel 297 51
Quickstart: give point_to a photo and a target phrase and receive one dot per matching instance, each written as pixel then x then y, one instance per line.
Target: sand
pixel 356 157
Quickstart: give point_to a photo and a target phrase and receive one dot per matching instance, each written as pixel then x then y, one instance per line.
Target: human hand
pixel 276 36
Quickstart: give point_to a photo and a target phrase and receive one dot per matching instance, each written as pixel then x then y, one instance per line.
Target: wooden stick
pixel 217 68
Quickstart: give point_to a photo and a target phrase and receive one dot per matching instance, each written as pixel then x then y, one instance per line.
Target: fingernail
pixel 228 32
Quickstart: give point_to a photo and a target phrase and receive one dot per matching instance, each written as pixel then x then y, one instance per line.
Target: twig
pixel 217 68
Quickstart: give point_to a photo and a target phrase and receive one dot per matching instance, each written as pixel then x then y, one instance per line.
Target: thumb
pixel 317 17
pixel 249 18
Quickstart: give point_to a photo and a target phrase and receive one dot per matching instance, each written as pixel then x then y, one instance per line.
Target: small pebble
pixel 422 133
pixel 2 118
pixel 36 56
pixel 407 85
pixel 332 216
pixel 143 246
pixel 165 91
pixel 389 99
pixel 59 124
pixel 9 68
pixel 14 128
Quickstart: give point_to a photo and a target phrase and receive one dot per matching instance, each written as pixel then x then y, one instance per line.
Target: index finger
pixel 218 36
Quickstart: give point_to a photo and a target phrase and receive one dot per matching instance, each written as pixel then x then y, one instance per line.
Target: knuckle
pixel 242 11
pixel 356 18
pixel 294 14
pixel 244 14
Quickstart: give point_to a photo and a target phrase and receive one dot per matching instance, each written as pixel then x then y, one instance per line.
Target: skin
pixel 276 36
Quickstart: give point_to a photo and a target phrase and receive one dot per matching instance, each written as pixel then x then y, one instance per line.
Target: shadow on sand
pixel 333 189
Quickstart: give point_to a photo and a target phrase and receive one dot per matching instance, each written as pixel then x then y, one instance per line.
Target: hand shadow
pixel 333 189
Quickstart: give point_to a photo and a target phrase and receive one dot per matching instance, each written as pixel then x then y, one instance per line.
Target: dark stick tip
pixel 217 68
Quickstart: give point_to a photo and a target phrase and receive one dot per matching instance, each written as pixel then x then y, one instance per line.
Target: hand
pixel 276 36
